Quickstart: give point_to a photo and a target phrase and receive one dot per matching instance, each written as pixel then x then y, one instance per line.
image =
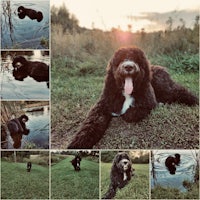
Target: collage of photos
pixel 99 99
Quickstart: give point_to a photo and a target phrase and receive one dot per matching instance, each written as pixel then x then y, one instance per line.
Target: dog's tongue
pixel 128 86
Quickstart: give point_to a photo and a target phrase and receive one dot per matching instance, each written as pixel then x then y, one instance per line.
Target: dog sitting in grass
pixel 76 162
pixel 29 165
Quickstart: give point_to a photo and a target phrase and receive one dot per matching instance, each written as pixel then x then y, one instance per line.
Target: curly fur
pixel 151 84
pixel 121 173
pixel 39 71
pixel 32 14
pixel 76 162
pixel 171 163
pixel 17 129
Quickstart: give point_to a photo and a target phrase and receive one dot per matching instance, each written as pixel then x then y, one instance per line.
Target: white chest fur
pixel 128 102
pixel 125 176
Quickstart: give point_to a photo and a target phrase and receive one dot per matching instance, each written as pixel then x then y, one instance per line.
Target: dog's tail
pixel 111 192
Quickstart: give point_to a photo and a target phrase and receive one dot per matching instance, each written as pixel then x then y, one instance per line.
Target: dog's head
pixel 21 12
pixel 19 62
pixel 130 69
pixel 122 162
pixel 24 118
pixel 20 68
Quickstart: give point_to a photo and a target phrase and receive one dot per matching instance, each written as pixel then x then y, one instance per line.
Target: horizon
pixel 136 14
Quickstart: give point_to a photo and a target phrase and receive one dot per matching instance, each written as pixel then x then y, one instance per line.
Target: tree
pixel 62 16
pixel 169 22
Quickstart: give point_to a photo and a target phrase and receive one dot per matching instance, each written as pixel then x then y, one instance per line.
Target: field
pixel 176 126
pixel 17 183
pixel 137 188
pixel 66 183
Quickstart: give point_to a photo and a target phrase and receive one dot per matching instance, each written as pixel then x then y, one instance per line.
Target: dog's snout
pixel 128 68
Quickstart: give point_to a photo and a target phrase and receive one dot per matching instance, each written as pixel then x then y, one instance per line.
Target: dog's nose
pixel 128 68
pixel 125 162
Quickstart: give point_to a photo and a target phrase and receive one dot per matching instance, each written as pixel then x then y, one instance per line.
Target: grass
pixel 137 188
pixel 17 183
pixel 73 94
pixel 171 193
pixel 70 184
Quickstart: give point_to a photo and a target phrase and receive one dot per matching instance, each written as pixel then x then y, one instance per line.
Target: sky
pixel 149 14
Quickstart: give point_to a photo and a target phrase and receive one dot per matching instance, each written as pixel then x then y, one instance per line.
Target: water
pixel 38 124
pixel 24 33
pixel 185 170
pixel 26 89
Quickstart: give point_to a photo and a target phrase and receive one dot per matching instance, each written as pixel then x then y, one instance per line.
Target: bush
pixel 179 62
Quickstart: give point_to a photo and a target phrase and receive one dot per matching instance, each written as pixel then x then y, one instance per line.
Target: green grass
pixel 171 193
pixel 17 183
pixel 137 188
pixel 70 184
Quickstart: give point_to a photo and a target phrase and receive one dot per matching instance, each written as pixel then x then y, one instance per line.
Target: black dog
pixel 32 14
pixel 76 162
pixel 171 163
pixel 37 70
pixel 17 128
pixel 121 173
pixel 132 89
pixel 29 165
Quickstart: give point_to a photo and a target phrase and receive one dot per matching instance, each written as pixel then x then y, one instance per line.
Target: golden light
pixel 106 14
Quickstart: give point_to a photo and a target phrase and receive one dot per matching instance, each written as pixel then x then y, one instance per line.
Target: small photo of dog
pixel 74 174
pixel 25 24
pixel 25 74
pixel 174 174
pixel 119 175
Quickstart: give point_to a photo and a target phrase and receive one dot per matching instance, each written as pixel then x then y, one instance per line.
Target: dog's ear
pixel 145 66
pixel 116 159
pixel 109 90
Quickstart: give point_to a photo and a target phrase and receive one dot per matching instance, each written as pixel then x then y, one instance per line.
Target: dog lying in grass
pixel 120 175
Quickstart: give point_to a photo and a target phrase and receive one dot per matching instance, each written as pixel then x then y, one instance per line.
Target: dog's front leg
pixel 92 128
